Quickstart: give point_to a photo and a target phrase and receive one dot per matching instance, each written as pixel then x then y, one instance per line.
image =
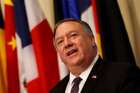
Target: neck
pixel 78 69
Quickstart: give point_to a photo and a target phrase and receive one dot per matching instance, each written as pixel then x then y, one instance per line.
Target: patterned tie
pixel 75 87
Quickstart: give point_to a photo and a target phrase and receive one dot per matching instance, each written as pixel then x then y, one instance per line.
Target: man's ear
pixel 93 41
pixel 94 44
pixel 54 44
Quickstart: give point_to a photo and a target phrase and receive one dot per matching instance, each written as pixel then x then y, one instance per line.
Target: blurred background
pixel 28 60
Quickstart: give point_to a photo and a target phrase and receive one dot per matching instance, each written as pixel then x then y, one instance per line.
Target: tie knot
pixel 77 80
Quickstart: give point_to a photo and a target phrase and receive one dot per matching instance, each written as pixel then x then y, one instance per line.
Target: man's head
pixel 75 43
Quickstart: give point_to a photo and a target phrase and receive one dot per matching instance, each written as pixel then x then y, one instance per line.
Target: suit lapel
pixel 93 77
pixel 63 85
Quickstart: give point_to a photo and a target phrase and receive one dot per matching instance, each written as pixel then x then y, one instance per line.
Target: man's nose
pixel 67 43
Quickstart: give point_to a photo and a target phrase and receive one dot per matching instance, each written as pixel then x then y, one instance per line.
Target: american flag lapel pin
pixel 94 77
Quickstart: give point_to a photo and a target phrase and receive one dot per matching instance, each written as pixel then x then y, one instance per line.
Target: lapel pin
pixel 94 77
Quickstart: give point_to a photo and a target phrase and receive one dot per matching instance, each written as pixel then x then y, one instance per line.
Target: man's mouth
pixel 69 53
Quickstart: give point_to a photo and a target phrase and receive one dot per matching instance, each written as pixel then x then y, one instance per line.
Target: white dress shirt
pixel 84 75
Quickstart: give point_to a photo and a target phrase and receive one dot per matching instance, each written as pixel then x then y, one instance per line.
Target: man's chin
pixel 73 62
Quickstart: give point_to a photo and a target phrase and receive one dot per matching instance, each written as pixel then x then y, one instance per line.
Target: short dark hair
pixel 85 25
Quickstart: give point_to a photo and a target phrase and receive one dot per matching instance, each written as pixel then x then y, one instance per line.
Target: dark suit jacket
pixel 110 78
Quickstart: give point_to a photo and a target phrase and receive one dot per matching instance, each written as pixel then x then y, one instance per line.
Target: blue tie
pixel 75 87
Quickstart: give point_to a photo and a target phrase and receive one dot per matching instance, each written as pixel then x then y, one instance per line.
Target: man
pixel 75 43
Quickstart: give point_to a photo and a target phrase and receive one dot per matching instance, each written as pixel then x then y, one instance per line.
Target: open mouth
pixel 69 53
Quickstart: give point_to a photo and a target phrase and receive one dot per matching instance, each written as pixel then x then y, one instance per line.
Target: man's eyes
pixel 58 42
pixel 73 34
pixel 69 36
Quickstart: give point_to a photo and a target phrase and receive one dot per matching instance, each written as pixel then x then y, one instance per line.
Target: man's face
pixel 73 44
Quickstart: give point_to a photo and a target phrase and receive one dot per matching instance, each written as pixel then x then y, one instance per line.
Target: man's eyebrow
pixel 72 31
pixel 57 38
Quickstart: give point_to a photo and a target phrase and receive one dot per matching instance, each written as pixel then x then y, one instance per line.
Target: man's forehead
pixel 67 28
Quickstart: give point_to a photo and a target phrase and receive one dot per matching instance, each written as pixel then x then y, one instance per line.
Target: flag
pixel 89 15
pixel 131 16
pixel 3 80
pixel 70 9
pixel 40 59
pixel 97 28
pixel 116 46
pixel 48 11
pixel 11 50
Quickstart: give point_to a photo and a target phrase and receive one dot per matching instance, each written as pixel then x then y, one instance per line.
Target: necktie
pixel 75 87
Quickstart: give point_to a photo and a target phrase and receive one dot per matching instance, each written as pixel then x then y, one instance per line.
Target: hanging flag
pixel 40 59
pixel 70 9
pixel 97 28
pixel 88 14
pixel 116 46
pixel 58 10
pixel 3 80
pixel 48 10
pixel 11 52
pixel 131 16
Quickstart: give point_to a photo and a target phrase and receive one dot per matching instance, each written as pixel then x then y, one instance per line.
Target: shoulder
pixel 123 77
pixel 116 66
pixel 60 86
pixel 124 66
pixel 120 71
pixel 127 75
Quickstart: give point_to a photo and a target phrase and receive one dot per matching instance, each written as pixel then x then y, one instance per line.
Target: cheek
pixel 60 52
pixel 84 47
pixel 81 44
pixel 62 55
